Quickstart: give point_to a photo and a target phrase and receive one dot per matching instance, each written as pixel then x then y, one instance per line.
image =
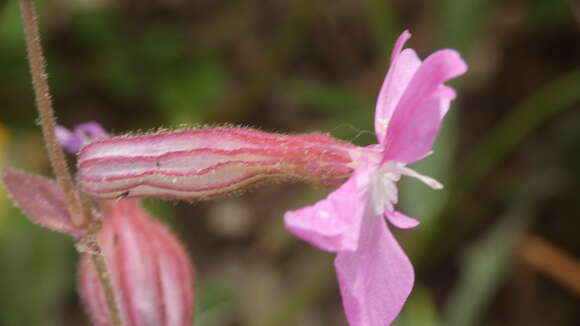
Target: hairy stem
pixel 105 279
pixel 79 216
pixel 47 119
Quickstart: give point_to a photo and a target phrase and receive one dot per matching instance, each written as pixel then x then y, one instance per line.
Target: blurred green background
pixel 498 246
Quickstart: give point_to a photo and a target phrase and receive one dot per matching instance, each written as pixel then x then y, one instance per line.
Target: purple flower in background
pixel 374 274
pixel 84 133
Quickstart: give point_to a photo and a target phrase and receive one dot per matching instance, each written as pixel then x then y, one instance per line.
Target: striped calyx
pixel 150 271
pixel 208 162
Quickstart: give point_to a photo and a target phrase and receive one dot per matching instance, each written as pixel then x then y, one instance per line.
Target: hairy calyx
pixel 209 162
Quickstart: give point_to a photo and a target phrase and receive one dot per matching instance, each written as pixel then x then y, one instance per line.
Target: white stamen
pixel 384 193
pixel 427 180
pixel 384 190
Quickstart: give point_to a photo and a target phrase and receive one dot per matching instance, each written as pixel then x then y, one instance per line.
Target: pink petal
pixel 417 118
pixel 403 66
pixel 332 224
pixel 401 220
pixel 41 199
pixel 375 280
pixel 90 131
pixel 68 140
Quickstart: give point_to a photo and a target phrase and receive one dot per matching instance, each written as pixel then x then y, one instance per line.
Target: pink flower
pixel 374 274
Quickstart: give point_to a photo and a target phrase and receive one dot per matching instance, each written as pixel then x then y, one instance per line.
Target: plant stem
pixel 79 216
pixel 47 118
pixel 105 279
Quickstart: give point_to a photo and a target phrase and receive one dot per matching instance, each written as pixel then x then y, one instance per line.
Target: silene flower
pixel 374 273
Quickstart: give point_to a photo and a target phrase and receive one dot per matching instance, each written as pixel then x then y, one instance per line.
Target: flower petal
pixel 72 141
pixel 401 220
pixel 90 131
pixel 332 224
pixel 68 140
pixel 375 280
pixel 403 66
pixel 417 118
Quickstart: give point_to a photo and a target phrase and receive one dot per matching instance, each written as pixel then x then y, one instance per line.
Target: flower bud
pixel 208 162
pixel 150 271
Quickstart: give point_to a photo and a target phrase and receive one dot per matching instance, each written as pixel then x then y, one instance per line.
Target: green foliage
pixel 420 310
pixel 549 13
pixel 463 21
pixel 214 302
pixel 37 271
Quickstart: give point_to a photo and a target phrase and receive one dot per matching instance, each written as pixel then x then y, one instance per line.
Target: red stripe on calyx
pixel 203 163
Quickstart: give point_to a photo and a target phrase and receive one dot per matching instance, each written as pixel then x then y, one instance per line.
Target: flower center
pixel 382 182
pixel 384 193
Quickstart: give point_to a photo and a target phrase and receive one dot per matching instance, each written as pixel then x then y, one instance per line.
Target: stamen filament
pixel 425 179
